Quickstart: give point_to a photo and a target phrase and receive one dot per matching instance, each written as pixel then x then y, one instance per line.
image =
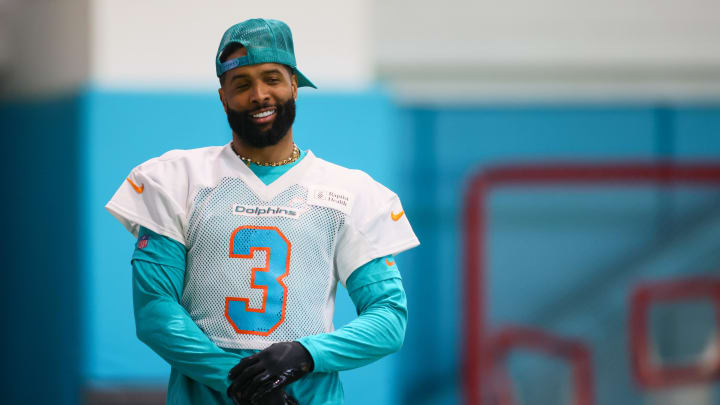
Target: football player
pixel 240 247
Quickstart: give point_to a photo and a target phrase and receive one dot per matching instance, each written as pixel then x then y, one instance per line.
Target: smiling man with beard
pixel 248 131
pixel 240 304
pixel 262 124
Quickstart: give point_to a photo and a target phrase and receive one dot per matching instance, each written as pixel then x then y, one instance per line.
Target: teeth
pixel 264 114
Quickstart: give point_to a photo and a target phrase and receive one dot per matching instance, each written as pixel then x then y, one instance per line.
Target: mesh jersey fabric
pixel 262 260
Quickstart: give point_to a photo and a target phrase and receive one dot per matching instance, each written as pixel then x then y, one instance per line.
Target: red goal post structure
pixel 477 356
pixel 510 338
pixel 648 373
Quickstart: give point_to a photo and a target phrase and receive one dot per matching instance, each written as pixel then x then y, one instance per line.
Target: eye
pixel 242 86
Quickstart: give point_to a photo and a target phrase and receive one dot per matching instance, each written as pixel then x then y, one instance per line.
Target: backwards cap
pixel 266 41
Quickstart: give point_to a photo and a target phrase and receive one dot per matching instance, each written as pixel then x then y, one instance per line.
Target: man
pixel 240 247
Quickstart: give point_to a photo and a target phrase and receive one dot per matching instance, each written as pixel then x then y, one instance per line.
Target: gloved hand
pixel 277 397
pixel 269 370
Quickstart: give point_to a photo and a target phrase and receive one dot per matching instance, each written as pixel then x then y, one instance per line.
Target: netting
pixel 215 273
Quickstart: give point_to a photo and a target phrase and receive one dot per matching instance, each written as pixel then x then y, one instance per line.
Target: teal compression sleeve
pixel 377 292
pixel 163 324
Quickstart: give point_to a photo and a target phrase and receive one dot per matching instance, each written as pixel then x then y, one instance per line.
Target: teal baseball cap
pixel 266 41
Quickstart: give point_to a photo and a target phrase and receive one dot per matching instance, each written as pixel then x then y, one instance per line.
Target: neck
pixel 274 153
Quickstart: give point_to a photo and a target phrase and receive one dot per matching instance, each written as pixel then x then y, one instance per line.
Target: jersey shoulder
pixel 179 159
pixel 365 192
pixel 156 193
pixel 180 168
pixel 376 225
pixel 352 179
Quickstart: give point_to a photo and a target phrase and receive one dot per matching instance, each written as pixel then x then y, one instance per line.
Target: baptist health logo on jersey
pixel 265 211
pixel 334 198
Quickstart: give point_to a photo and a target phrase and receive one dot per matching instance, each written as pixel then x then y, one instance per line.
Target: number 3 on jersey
pixel 244 242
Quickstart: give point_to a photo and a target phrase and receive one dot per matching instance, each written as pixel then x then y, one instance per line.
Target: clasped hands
pixel 259 379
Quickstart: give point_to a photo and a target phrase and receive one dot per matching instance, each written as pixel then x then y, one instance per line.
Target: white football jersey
pixel 263 261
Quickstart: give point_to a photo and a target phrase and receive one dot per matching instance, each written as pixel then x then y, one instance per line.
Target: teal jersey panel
pixel 268 174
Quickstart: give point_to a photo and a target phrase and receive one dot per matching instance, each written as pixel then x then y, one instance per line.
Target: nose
pixel 260 93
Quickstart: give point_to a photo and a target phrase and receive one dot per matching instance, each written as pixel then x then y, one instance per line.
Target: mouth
pixel 263 115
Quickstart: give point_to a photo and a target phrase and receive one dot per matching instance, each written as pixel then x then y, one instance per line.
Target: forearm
pixel 164 325
pixel 379 329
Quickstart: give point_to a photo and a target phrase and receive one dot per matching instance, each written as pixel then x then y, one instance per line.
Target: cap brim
pixel 304 81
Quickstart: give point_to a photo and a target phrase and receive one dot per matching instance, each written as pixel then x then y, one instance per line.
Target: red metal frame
pixel 480 186
pixel 647 372
pixel 510 338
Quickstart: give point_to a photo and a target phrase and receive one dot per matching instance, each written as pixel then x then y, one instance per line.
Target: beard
pixel 250 134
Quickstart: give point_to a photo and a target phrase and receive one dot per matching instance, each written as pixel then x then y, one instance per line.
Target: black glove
pixel 269 370
pixel 277 397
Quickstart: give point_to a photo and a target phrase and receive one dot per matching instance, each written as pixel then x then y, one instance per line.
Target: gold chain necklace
pixel 295 156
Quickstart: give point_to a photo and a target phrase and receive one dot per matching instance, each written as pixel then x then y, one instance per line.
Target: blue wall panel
pixel 125 129
pixel 547 246
pixel 697 133
pixel 41 247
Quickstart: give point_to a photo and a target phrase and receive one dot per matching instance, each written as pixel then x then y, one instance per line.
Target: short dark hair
pixel 230 49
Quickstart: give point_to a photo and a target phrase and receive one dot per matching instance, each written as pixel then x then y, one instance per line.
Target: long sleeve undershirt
pixel 166 327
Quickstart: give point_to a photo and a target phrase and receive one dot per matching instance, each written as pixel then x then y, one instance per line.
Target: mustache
pixel 257 110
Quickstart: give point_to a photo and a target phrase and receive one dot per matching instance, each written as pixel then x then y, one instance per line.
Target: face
pixel 259 101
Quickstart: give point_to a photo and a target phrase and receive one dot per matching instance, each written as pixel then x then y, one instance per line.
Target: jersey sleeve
pixel 376 227
pixel 163 324
pixel 377 292
pixel 154 196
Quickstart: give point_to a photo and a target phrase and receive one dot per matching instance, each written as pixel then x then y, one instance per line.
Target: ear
pixel 222 99
pixel 294 85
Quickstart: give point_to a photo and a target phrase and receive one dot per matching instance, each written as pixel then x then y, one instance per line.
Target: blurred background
pixel 558 159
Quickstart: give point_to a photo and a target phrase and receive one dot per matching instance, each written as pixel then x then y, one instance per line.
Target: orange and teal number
pixel 245 243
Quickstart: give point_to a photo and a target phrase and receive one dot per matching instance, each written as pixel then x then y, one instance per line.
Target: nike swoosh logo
pixel 137 189
pixel 388 262
pixel 396 217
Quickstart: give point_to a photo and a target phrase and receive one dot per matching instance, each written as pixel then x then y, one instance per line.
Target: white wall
pixel 549 48
pixel 5 10
pixel 43 47
pixel 455 50
pixel 171 44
